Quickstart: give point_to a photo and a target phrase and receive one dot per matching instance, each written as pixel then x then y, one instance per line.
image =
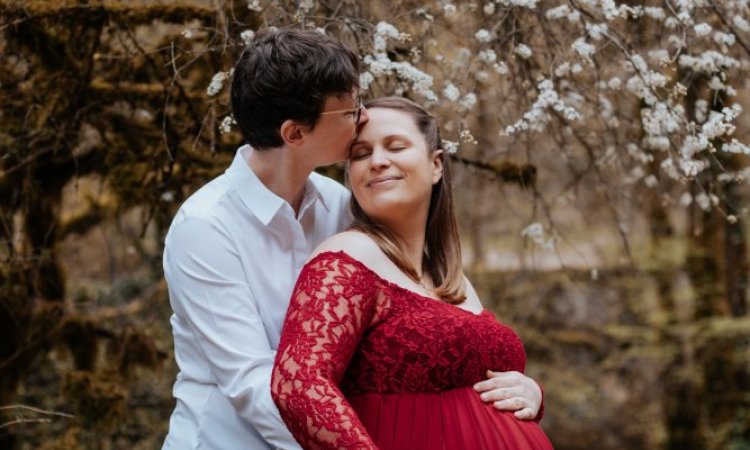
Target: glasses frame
pixel 357 111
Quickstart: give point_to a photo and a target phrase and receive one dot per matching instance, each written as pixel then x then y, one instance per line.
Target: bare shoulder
pixel 472 298
pixel 354 243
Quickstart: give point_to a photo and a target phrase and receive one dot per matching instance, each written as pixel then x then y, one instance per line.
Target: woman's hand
pixel 511 391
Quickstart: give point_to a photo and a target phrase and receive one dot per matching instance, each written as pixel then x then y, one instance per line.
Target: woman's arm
pixel 332 305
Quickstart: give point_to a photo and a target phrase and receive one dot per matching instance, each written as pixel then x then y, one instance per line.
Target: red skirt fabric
pixel 450 420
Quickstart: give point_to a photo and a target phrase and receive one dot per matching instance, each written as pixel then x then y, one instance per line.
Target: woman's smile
pixel 384 181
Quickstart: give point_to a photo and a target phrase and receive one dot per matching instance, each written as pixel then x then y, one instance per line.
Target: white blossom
pixel 489 8
pixel 693 144
pixel 383 31
pixel 449 9
pixel 466 137
pixel 562 70
pixel 449 146
pixel 724 38
pixel 217 83
pixel 655 13
pixel 187 33
pixel 691 168
pixel 716 84
pixel 702 29
pixel 614 83
pixel 535 232
pixel 719 123
pixel 558 12
pixel 483 35
pixel 501 68
pixel 523 51
pixel 709 61
pixel 468 101
pixel 583 48
pixel 659 56
pixel 596 31
pixel 254 5
pixel 380 65
pixel 451 92
pixel 548 98
pixel 741 23
pixel 482 76
pixel 306 6
pixel 736 146
pixel 247 36
pixel 489 56
pixel 530 4
pixel 226 124
pixel 365 79
pixel 703 200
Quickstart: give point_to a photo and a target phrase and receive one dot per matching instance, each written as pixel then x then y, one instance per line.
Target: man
pixel 236 246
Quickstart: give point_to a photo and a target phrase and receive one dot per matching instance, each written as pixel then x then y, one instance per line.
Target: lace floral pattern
pixel 348 327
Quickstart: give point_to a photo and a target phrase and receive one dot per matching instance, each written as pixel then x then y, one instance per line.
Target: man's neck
pixel 281 173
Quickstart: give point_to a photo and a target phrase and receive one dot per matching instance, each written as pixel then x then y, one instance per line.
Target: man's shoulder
pixel 202 210
pixel 203 201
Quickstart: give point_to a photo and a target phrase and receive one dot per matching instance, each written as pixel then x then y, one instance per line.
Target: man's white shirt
pixel 231 258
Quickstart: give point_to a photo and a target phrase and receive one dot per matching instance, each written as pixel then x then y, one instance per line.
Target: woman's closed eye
pixel 359 152
pixel 397 144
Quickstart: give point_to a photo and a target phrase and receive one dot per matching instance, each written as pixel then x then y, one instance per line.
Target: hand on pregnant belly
pixel 511 391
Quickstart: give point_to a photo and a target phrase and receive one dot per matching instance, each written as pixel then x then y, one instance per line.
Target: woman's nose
pixel 379 158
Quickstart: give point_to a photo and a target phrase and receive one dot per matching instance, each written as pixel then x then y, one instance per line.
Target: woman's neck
pixel 411 230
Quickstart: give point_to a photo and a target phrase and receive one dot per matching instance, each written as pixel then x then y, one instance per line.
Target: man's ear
pixel 437 166
pixel 292 132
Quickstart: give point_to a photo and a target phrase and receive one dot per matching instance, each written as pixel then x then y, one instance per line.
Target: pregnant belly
pixel 455 419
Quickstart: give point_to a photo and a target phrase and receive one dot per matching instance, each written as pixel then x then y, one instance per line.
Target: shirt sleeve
pixel 330 309
pixel 209 292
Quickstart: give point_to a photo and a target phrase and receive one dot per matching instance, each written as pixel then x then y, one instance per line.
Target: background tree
pixel 599 142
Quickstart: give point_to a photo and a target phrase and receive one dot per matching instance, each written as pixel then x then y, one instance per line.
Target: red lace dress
pixel 366 364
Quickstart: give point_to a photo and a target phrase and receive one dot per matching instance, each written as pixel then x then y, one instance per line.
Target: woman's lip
pixel 382 180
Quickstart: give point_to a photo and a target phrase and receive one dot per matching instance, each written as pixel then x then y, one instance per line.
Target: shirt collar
pixel 256 197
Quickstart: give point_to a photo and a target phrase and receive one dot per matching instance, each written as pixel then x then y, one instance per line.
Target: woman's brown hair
pixel 442 258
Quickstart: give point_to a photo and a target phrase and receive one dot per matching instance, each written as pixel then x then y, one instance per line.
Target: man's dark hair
pixel 288 74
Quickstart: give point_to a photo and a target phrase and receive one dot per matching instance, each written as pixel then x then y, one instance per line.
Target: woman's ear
pixel 291 132
pixel 437 165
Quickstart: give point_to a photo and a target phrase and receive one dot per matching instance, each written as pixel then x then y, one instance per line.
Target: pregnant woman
pixel 385 337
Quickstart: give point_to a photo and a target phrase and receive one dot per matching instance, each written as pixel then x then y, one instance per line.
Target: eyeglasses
pixel 356 111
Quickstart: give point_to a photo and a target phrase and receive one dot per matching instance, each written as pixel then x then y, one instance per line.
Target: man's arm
pixel 208 291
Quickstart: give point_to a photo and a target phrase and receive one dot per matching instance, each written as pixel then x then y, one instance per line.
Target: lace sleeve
pixel 332 305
